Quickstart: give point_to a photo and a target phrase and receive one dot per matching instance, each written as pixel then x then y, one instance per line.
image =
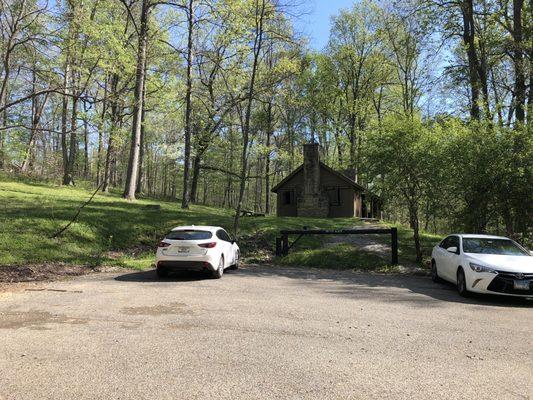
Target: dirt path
pixel 376 244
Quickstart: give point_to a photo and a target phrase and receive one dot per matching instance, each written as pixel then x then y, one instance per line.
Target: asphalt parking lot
pixel 262 333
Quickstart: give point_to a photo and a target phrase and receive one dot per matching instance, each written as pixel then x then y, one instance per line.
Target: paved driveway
pixel 262 333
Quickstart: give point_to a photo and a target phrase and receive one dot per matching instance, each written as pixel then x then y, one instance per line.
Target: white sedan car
pixel 197 248
pixel 483 264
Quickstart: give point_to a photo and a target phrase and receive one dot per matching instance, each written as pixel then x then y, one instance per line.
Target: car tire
pixel 461 283
pixel 236 265
pixel 217 274
pixel 161 272
pixel 434 272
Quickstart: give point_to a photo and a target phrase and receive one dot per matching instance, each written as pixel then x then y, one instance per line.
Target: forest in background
pixel 209 101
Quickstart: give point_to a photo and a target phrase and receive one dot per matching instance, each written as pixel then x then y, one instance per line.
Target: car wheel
pixel 217 274
pixel 434 273
pixel 461 283
pixel 236 264
pixel 161 272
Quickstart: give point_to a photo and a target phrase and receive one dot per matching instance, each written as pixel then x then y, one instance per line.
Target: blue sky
pixel 316 21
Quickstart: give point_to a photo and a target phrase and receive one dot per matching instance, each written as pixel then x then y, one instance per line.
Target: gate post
pixel 394 245
pixel 285 245
pixel 278 246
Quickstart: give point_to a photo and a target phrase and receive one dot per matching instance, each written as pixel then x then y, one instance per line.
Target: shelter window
pixel 334 195
pixel 288 197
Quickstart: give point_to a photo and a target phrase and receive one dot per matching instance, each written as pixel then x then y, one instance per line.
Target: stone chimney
pixel 311 169
pixel 313 202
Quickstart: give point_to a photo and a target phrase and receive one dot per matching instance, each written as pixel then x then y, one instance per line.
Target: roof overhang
pixel 344 178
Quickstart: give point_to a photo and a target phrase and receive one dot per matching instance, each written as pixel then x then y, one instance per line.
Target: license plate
pixel 521 285
pixel 183 250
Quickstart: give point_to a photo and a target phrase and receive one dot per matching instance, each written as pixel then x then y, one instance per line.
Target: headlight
pixel 482 268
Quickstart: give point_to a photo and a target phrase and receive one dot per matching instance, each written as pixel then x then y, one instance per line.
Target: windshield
pixel 188 235
pixel 503 247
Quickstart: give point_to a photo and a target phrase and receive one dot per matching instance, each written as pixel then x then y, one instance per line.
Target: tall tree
pixel 138 104
pixel 188 104
pixel 260 10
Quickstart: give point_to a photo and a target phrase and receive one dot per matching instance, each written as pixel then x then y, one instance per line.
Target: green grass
pixel 406 246
pixel 113 231
pixel 345 256
pixel 340 256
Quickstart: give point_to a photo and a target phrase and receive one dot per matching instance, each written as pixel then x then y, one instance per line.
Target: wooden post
pixel 285 245
pixel 394 245
pixel 278 247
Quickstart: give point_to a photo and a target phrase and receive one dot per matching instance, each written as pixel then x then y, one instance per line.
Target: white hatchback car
pixel 197 248
pixel 483 264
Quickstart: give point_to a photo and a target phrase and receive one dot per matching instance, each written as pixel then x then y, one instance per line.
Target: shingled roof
pixel 338 174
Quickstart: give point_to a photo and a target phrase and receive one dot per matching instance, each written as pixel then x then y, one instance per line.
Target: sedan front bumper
pixel 504 282
pixel 501 283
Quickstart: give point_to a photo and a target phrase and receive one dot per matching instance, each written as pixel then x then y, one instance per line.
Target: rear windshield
pixel 188 235
pixel 492 246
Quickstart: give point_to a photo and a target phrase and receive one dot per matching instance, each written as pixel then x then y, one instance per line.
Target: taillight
pixel 209 245
pixel 164 244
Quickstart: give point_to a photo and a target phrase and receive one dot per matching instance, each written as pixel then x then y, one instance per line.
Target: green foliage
pixel 389 96
pixel 475 177
pixel 111 230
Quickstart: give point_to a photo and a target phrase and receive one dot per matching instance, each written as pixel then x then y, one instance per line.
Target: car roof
pixel 197 228
pixel 479 236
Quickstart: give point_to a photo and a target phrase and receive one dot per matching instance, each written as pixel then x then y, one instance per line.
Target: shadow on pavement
pixel 361 285
pixel 151 276
pixel 350 284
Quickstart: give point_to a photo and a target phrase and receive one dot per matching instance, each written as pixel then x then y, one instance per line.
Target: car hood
pixel 504 263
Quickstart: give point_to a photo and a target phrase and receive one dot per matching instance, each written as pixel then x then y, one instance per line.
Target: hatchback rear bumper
pixel 174 266
pixel 187 263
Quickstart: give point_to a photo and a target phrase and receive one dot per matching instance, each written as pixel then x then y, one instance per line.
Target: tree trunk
pixel 111 140
pixel 140 177
pixel 64 127
pixel 85 142
pixel 188 106
pixel 519 62
pixel 133 163
pixel 414 222
pixel 529 31
pixel 205 191
pixel 353 141
pixel 267 160
pixel 195 177
pixel 469 42
pixel 476 67
pixel 101 128
pixel 37 111
pixel 6 66
pixel 68 177
pixel 258 41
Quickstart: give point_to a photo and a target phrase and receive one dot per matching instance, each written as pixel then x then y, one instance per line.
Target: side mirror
pixel 452 249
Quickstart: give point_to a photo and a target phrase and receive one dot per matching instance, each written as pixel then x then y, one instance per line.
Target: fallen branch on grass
pixel 59 232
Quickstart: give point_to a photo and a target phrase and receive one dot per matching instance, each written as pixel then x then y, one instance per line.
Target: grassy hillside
pixel 112 231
